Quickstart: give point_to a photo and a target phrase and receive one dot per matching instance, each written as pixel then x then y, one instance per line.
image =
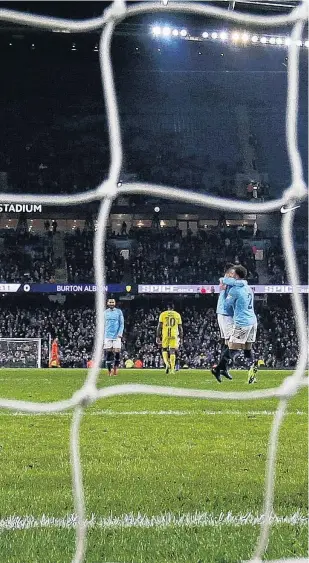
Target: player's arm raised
pixel 232 282
pixel 221 285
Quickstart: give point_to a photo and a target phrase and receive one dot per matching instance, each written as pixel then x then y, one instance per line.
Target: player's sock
pixel 224 360
pixel 173 361
pixel 177 362
pixel 116 362
pixel 227 359
pixel 109 361
pixel 248 354
pixel 252 364
pixel 165 358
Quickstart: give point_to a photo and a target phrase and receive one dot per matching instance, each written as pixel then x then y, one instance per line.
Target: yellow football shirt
pixel 170 322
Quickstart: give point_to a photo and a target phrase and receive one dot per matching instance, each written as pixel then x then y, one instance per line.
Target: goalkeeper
pixel 54 357
pixel 113 331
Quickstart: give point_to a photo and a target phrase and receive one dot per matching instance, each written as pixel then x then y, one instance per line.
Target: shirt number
pixel 170 322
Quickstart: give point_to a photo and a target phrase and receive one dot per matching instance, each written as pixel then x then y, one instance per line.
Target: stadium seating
pixel 276 342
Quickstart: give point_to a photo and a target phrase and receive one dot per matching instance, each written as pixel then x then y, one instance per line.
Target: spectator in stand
pixel 26 257
pixel 276 343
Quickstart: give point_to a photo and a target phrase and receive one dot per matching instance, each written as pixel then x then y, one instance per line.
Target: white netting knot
pixel 116 11
pixel 108 189
pixel 85 396
pixel 297 191
pixel 289 386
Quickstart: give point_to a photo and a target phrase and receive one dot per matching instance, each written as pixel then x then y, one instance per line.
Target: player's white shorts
pixel 243 334
pixel 225 325
pixel 112 343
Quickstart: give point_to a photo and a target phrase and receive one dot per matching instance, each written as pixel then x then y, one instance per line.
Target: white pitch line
pixel 113 413
pixel 23 379
pixel 165 520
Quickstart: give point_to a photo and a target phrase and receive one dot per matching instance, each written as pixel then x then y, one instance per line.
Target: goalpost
pixel 20 352
pixel 109 190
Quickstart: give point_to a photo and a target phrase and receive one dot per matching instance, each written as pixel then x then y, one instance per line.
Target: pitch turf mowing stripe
pixel 166 520
pixel 158 413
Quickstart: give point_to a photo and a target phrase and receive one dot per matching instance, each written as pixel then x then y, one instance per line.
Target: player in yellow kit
pixel 169 336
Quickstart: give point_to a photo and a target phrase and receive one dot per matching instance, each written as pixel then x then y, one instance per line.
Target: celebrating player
pixel 114 325
pixel 169 334
pixel 241 299
pixel 225 312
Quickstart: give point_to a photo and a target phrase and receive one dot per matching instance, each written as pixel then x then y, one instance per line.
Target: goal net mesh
pixel 108 190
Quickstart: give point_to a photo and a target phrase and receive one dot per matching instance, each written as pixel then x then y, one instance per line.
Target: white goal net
pixel 20 352
pixel 108 190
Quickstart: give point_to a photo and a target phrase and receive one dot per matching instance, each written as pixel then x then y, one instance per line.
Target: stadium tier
pixel 75 328
pixel 164 256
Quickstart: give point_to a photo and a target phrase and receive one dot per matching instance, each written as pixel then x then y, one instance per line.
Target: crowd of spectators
pixel 163 256
pixel 79 259
pixel 276 266
pixel 75 327
pixel 155 255
pixel 26 257
pixel 196 258
pixel 276 342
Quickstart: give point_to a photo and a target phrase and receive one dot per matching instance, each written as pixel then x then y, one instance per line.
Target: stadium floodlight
pixel 205 34
pixel 214 35
pixel 223 35
pixel 254 38
pixel 235 36
pixel 156 30
pixel 245 37
pixel 272 41
pixel 165 2
pixel 183 33
pixel 263 40
pixel 299 43
pixel 166 31
pixel 306 43
pixel 288 41
pixel 279 41
pixel 175 32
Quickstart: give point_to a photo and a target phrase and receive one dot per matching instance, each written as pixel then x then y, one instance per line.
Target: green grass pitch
pixel 166 479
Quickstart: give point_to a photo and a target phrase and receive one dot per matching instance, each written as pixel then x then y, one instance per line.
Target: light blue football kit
pixel 114 324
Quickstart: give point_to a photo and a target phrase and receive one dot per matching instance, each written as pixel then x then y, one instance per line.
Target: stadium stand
pixel 276 343
pixel 26 257
pixel 199 257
